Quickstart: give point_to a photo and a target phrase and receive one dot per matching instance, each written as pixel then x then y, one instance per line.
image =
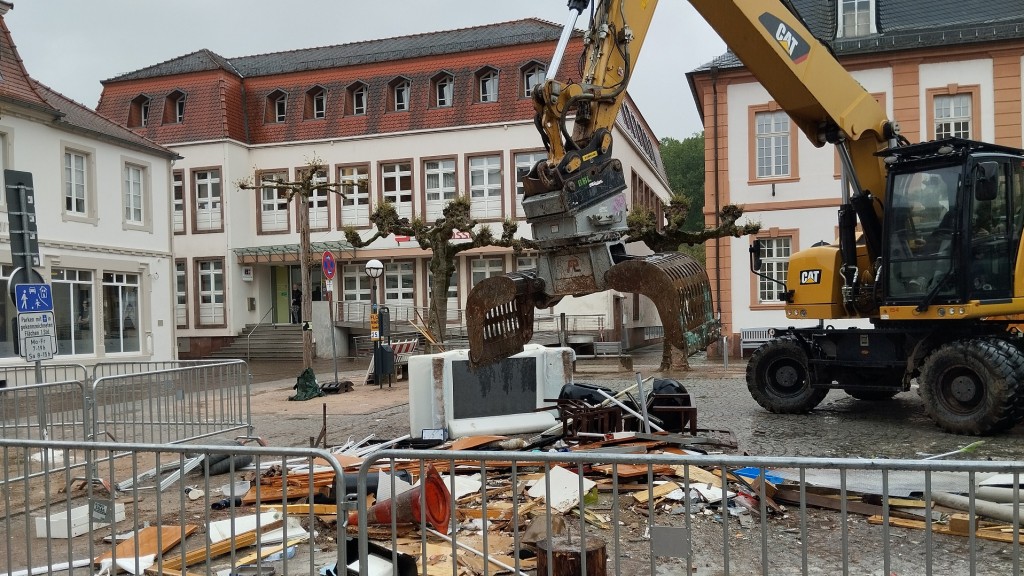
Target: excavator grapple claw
pixel 680 290
pixel 499 316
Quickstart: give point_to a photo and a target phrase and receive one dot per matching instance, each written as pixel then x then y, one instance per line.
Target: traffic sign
pixel 33 298
pixel 38 335
pixel 374 328
pixel 329 265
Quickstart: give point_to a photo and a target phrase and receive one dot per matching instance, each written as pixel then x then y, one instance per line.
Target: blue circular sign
pixel 328 264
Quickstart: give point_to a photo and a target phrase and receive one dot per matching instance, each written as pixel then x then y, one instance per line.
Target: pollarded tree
pixel 439 237
pixel 674 237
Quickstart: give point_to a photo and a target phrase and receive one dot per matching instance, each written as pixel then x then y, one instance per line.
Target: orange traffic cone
pixel 408 508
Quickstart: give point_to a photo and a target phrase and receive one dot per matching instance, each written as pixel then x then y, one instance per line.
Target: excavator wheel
pixel 779 381
pixel 973 386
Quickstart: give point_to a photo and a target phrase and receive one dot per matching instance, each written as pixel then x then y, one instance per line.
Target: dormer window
pixel 357 99
pixel 277 107
pixel 533 76
pixel 443 90
pixel 138 114
pixel 174 108
pixel 401 89
pixel 856 18
pixel 316 103
pixel 487 81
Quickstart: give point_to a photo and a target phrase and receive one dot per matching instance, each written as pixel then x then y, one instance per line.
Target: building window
pixel 526 263
pixel 211 292
pixel 178 207
pixel 277 107
pixel 121 312
pixel 356 283
pixel 484 268
pixel 525 161
pixel 440 186
pixel 133 195
pixel 75 194
pixel 273 204
pixel 357 99
pixel 856 18
pixel 318 202
pixel 444 90
pixel 488 83
pixel 138 112
pixel 399 285
pixel 355 189
pixel 775 253
pixel 953 116
pixel 772 141
pixel 400 92
pixel 181 294
pixel 397 187
pixel 174 107
pixel 533 76
pixel 73 311
pixel 316 104
pixel 207 201
pixel 485 187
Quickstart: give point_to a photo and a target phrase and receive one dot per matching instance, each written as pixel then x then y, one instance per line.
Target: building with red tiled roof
pixel 415 120
pixel 102 212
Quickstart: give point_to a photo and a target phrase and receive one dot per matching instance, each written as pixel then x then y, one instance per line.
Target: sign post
pixel 330 268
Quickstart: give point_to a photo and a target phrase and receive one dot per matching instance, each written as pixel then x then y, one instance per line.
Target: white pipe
pixel 981 507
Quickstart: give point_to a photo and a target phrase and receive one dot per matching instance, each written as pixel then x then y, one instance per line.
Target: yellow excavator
pixel 934 267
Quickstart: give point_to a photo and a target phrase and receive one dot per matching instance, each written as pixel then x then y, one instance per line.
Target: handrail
pixel 247 336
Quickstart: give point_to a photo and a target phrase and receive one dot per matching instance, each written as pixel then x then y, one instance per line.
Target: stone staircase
pixel 268 342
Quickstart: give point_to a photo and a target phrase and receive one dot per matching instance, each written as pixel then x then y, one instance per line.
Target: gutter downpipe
pixel 718 209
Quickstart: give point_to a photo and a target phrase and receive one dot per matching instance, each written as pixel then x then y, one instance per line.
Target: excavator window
pixel 990 257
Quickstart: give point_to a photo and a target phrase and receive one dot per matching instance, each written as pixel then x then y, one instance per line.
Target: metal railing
pixel 248 337
pixel 11 376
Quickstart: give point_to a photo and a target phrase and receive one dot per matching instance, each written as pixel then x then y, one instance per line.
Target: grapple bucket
pixel 499 313
pixel 679 288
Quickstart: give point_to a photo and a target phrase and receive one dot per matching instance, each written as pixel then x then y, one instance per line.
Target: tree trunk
pixel 566 556
pixel 306 315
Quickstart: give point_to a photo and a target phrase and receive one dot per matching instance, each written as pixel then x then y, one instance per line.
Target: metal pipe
pixel 628 409
pixel 563 42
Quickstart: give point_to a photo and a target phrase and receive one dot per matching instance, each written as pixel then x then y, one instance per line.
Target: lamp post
pixel 374 269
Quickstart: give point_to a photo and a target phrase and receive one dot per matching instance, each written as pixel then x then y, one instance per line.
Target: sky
pixel 71 45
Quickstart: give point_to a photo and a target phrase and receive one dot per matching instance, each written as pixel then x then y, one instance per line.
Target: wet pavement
pixel 841 426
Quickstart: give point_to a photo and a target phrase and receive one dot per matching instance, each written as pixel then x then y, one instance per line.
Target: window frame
pixel 794 245
pixel 442 80
pixel 488 270
pixel 194 198
pixel 401 95
pixel 121 280
pixel 300 173
pixel 138 111
pixel 358 99
pixel 178 199
pixel 197 272
pixel 174 107
pixel 316 104
pixel 89 215
pixel 432 208
pixel 402 270
pixel 261 202
pixel 486 77
pixel 385 176
pixel 487 199
pixel 62 276
pixel 841 19
pixel 527 72
pixel 752 143
pixel 351 200
pixel 177 277
pixel 972 90
pixel 517 186
pixel 145 195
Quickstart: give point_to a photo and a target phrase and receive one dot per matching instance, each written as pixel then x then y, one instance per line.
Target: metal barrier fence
pixel 170 514
pixel 102 369
pixel 54 411
pixel 12 376
pixel 172 405
pixel 626 531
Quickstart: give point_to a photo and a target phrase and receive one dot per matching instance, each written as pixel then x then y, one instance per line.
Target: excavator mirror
pixel 755 256
pixel 986 176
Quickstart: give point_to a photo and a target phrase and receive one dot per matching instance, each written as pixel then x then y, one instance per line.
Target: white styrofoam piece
pixel 384 486
pixel 463 485
pixel 565 489
pixel 375 566
pixel 502 425
pixel 58 522
pixel 222 529
pixel 712 494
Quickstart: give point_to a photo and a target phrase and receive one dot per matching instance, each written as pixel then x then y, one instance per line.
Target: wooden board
pixel 698 475
pixel 995 533
pixel 634 470
pixel 643 496
pixel 243 540
pixel 153 540
pixel 470 442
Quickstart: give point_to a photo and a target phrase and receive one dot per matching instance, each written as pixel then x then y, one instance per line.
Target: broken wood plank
pixel 989 533
pixel 153 540
pixel 643 496
pixel 268 550
pixel 243 540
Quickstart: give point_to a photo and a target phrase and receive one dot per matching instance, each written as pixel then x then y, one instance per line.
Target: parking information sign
pixel 37 332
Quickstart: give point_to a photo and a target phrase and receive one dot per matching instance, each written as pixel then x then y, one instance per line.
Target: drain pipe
pixel 718 208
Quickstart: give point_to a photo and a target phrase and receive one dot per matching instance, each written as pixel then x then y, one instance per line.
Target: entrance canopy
pixel 289 252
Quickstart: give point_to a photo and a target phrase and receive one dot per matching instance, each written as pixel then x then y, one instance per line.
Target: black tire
pixel 973 386
pixel 778 379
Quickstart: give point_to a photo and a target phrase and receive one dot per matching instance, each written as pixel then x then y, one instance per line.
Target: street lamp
pixel 374 269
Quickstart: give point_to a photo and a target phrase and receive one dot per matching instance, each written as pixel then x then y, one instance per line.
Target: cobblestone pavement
pixel 840 427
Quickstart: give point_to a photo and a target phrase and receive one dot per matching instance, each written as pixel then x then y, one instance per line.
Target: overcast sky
pixel 71 45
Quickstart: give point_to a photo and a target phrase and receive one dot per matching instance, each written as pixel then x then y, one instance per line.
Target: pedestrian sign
pixel 33 298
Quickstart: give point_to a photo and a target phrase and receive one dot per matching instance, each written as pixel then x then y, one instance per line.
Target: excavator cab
pixel 954 224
